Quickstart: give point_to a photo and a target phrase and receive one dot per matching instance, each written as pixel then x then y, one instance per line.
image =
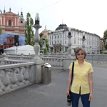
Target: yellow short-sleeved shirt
pixel 80 80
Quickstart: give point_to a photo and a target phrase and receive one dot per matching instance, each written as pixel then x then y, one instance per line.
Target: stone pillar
pixel 38 61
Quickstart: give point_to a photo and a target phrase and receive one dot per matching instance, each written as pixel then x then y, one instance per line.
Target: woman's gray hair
pixel 77 51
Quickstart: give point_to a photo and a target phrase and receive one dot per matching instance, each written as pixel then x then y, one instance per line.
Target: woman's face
pixel 80 55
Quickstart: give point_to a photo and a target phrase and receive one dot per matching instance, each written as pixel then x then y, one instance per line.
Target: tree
pixel 29 33
pixel 41 35
pixel 46 49
pixel 47 45
pixel 44 45
pixel 41 43
pixel 105 39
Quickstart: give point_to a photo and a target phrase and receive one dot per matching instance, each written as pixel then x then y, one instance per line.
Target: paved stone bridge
pixel 54 94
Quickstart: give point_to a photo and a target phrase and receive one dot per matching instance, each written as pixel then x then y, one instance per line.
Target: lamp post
pixel 83 40
pixel 62 44
pixel 36 37
pixel 36 78
pixel 69 38
pixel 69 42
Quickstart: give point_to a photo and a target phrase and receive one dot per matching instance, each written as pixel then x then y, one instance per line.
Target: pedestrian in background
pixel 82 81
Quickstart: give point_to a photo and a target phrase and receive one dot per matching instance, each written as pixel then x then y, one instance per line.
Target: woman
pixel 82 83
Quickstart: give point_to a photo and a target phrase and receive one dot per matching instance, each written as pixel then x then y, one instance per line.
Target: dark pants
pixel 84 99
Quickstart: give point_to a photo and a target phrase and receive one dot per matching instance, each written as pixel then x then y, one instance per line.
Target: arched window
pixel 10 23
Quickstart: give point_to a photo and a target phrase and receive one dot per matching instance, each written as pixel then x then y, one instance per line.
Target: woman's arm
pixel 69 82
pixel 90 76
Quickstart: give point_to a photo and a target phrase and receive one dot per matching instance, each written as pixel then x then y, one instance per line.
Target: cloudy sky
pixel 86 15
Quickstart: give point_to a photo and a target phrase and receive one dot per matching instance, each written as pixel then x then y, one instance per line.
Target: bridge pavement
pixel 54 94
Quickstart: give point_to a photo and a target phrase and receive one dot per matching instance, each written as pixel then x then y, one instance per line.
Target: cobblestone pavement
pixel 54 94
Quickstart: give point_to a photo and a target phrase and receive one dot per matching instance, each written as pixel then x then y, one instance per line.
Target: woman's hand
pixel 67 92
pixel 91 97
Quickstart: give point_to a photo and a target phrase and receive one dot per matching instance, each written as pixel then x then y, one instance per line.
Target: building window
pixel 9 23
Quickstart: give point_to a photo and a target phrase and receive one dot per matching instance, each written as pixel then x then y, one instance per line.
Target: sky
pixel 86 15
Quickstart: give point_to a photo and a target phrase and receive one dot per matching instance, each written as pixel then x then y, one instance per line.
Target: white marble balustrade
pixel 15 76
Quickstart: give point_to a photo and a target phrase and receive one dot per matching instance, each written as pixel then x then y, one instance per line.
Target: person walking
pixel 82 81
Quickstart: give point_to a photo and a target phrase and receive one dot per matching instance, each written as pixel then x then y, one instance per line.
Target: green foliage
pixel 105 39
pixel 41 34
pixel 43 42
pixel 47 45
pixel 29 33
pixel 45 51
pixel 106 46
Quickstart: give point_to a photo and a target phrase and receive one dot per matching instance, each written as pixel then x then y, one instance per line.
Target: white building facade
pixel 59 40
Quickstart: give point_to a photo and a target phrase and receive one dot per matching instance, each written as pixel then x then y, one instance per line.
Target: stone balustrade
pixel 17 57
pixel 15 76
pixel 63 61
pixel 6 62
pixel 20 71
pixel 20 57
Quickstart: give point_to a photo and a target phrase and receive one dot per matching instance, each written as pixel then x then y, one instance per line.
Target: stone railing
pixel 55 62
pixel 19 57
pixel 7 61
pixel 63 61
pixel 15 76
pixel 97 59
pixel 58 63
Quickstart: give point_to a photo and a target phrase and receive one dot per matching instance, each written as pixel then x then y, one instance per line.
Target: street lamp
pixel 83 40
pixel 69 42
pixel 63 46
pixel 69 39
pixel 36 37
